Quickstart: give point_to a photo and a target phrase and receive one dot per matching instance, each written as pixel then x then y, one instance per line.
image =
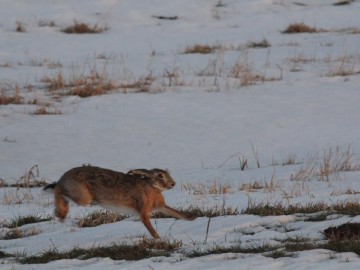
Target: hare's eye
pixel 161 176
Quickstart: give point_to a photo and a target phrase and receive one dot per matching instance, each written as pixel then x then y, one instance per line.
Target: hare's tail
pixel 50 187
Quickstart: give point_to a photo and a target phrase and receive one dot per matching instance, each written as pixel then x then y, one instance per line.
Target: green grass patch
pixel 141 250
pixel 267 209
pixel 347 231
pixel 216 249
pixel 23 220
pixel 5 255
pixel 99 217
pixel 193 211
pixel 343 246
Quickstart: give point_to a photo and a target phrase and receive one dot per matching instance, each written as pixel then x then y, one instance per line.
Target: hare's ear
pixel 142 173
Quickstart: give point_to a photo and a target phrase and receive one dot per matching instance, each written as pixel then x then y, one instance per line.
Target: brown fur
pixel 139 190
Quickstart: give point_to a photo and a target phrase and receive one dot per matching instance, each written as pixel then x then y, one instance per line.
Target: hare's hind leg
pixel 176 214
pixel 79 194
pixel 61 205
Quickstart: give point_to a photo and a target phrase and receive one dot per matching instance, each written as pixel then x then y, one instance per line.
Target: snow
pixel 197 127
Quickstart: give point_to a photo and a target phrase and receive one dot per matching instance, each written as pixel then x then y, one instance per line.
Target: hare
pixel 138 190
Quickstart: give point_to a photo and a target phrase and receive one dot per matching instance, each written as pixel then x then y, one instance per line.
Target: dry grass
pixel 278 209
pixel 297 189
pixel 335 161
pixel 14 225
pixel 91 86
pixel 83 28
pixel 210 212
pixel 343 2
pixel 268 186
pixel 99 217
pixel 139 250
pixel 17 197
pixel 351 208
pixel 290 160
pixel 252 187
pixel 345 65
pixel 243 162
pixel 199 48
pixel 43 23
pixel 170 18
pixel 44 110
pixel 299 59
pixel 258 44
pixel 173 77
pixel 306 171
pixel 199 189
pixel 10 94
pixel 347 231
pixel 271 185
pixel 23 220
pixel 21 191
pixel 287 249
pixel 297 28
pixel 85 85
pixel 302 59
pixel 141 85
pixel 236 249
pixel 355 31
pixel 55 82
pixel 17 233
pixel 30 179
pixel 243 71
pixel 329 166
pixel 20 27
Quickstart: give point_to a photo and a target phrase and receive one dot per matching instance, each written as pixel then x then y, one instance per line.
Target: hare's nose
pixel 172 184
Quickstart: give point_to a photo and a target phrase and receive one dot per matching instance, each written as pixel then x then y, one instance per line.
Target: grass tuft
pixel 140 85
pixel 266 209
pixel 141 250
pixel 10 94
pixel 211 212
pixel 347 231
pixel 297 28
pixel 198 48
pixel 5 255
pixel 258 44
pixel 23 220
pixel 199 189
pixel 343 2
pixel 20 27
pixel 17 233
pixel 216 249
pixel 43 110
pixel 86 85
pixel 329 166
pixel 30 179
pixel 343 246
pixel 83 28
pixel 99 217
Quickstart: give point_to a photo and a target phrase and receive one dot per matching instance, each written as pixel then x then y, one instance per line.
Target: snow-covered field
pixel 284 108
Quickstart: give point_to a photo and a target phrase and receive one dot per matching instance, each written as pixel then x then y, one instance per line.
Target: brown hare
pixel 138 191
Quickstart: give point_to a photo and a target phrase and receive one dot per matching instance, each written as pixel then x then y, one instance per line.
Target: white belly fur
pixel 120 209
